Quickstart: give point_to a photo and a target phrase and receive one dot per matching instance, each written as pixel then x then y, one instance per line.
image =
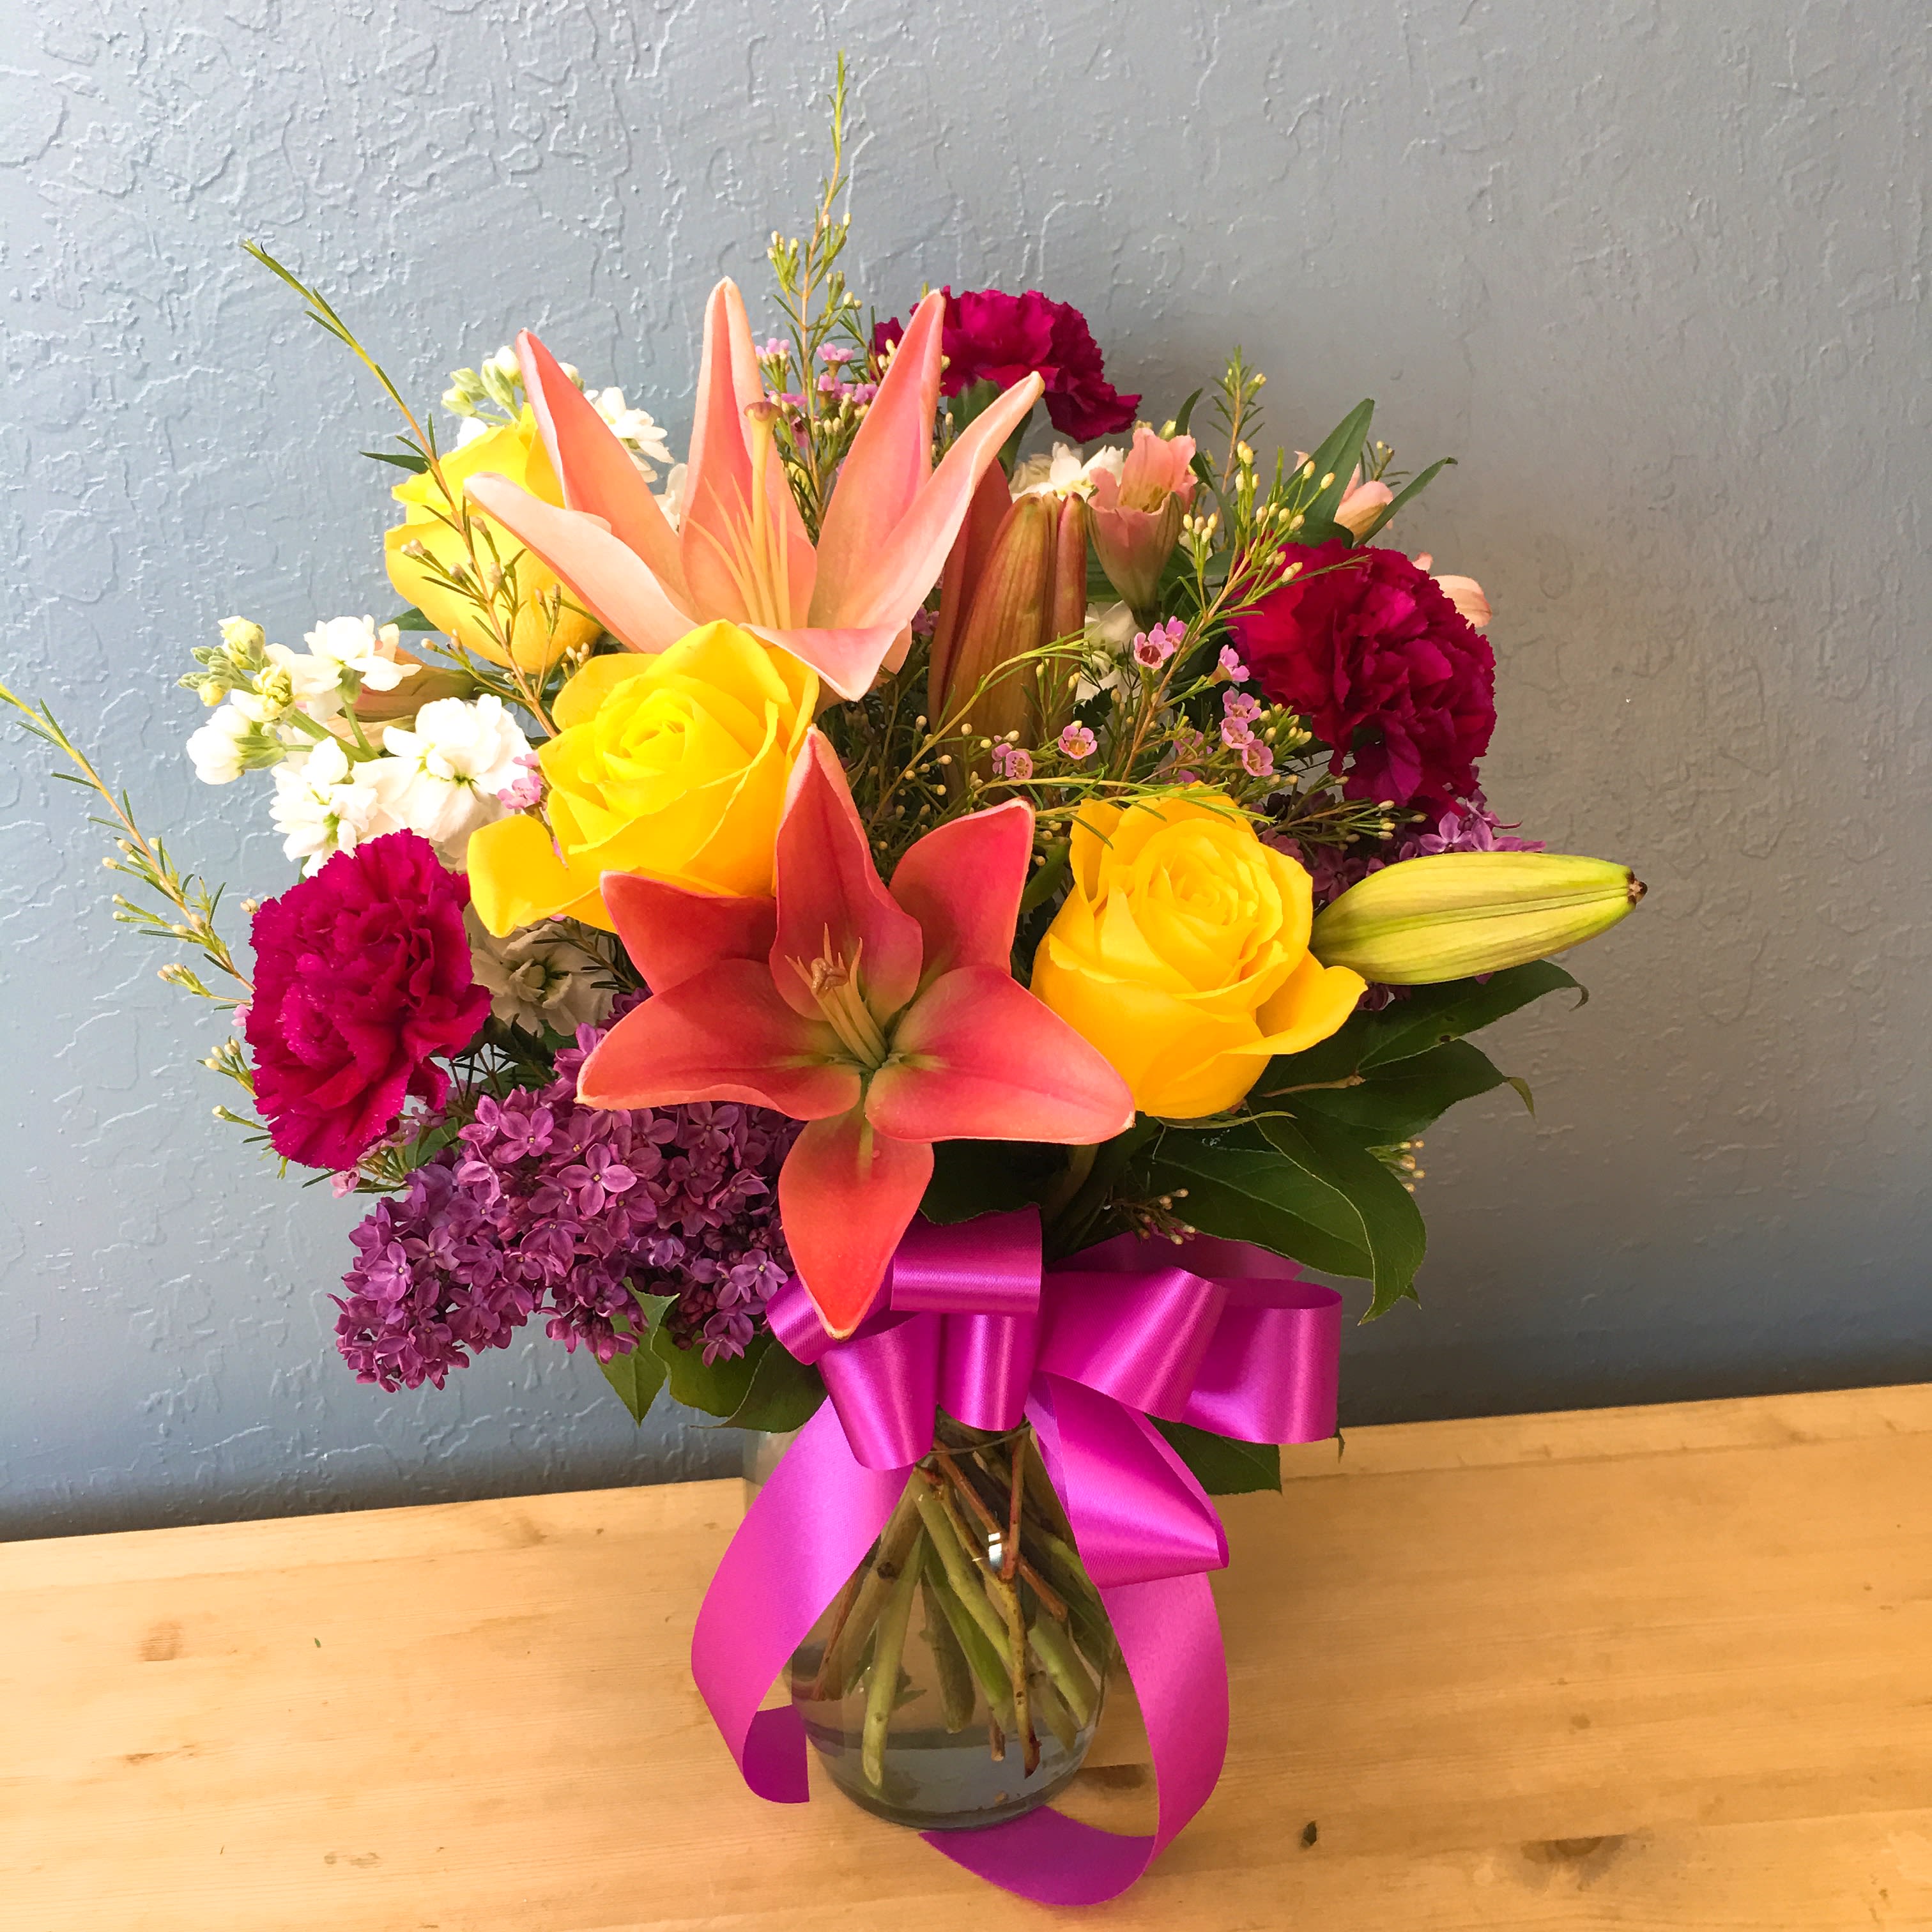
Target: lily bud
pixel 1137 520
pixel 1016 581
pixel 1422 921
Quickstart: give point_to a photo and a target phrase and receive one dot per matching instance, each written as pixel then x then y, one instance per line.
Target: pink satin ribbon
pixel 1212 1333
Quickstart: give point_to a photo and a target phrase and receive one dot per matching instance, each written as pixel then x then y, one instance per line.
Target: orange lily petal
pixel 888 585
pixel 963 882
pixel 846 1194
pixel 891 457
pixel 723 1034
pixel 977 1057
pixel 607 578
pixel 595 469
pixel 848 661
pixel 730 574
pixel 831 899
pixel 673 934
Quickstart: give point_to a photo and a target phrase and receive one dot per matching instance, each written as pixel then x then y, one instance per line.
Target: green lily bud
pixel 1422 921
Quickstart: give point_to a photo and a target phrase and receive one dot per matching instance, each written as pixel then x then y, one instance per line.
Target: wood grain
pixel 1666 1669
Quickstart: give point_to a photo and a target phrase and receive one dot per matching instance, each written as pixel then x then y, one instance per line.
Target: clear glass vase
pixel 957 1680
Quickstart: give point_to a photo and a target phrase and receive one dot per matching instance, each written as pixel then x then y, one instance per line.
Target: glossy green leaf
pixel 1413 488
pixel 1243 1190
pixel 1184 415
pixel 1390 1222
pixel 1223 1466
pixel 784 1393
pixel 973 1177
pixel 1435 1014
pixel 412 461
pixel 1339 455
pixel 1398 1101
pixel 720 1387
pixel 411 620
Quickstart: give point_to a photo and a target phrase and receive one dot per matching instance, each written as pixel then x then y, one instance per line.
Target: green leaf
pixel 720 1387
pixel 1397 1102
pixel 784 1393
pixel 1243 1189
pixel 1184 415
pixel 417 464
pixel 411 619
pixel 1435 1014
pixel 1414 488
pixel 974 1177
pixel 1223 1465
pixel 1339 455
pixel 638 1376
pixel 1389 1221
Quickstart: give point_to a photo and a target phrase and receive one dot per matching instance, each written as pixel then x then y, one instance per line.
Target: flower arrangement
pixel 887 915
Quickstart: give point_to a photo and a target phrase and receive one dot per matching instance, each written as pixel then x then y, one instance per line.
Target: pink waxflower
pixel 1010 762
pixel 1239 704
pixel 1077 742
pixel 1257 759
pixel 1152 649
pixel 1137 518
pixel 1232 668
pixel 526 789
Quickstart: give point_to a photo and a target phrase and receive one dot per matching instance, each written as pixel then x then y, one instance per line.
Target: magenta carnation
pixel 1387 671
pixel 362 976
pixel 991 337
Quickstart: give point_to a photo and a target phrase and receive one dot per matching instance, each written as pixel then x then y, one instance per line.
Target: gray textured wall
pixel 1656 273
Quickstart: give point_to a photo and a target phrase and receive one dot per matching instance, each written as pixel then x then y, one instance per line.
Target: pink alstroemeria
pixel 886 1020
pixel 740 551
pixel 1137 516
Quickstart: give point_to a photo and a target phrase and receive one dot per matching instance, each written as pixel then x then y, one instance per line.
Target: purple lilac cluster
pixel 543 1206
pixel 1471 828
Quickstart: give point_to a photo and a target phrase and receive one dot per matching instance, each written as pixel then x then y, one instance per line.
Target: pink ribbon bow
pixel 1212 1333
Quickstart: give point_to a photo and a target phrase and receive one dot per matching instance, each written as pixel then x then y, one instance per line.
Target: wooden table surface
pixel 1652 1668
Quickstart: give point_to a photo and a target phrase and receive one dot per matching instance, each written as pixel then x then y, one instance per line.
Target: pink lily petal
pixel 609 579
pixel 892 455
pixel 977 1057
pixel 831 903
pixel 595 469
pixel 672 934
pixel 963 882
pixel 846 1194
pixel 723 1034
pixel 887 586
pixel 730 575
pixel 848 661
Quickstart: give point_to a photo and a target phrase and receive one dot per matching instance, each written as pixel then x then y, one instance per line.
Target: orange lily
pixel 885 1019
pixel 740 551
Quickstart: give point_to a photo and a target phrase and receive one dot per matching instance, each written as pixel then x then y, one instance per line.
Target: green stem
pixel 838 1667
pixel 882 1691
pixel 949 1656
pixel 1054 1648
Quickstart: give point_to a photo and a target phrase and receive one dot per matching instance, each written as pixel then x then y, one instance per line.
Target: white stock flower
pixel 326 803
pixel 672 502
pixel 1064 473
pixel 344 655
pixel 541 976
pixel 636 428
pixel 216 748
pixel 450 767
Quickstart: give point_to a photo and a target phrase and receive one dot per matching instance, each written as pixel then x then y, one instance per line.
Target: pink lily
pixel 886 1020
pixel 740 551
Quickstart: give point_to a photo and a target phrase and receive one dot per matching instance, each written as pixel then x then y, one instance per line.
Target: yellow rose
pixel 1182 953
pixel 514 450
pixel 673 766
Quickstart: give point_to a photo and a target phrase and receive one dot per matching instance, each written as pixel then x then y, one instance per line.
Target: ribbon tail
pixel 1170 1640
pixel 799 1541
pixel 1170 1645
